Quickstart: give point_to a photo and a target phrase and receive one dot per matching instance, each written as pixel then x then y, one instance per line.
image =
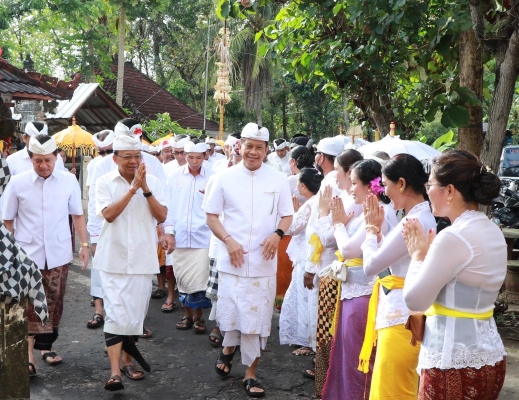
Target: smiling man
pixel 256 207
pixel 41 200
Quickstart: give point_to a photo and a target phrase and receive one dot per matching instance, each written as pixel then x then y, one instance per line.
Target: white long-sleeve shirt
pixel 185 213
pixel 393 254
pixel 463 270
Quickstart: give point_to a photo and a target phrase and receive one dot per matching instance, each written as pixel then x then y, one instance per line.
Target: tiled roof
pixel 146 98
pixel 32 85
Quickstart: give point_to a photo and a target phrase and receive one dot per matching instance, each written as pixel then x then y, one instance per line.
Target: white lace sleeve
pixel 300 220
pixel 325 231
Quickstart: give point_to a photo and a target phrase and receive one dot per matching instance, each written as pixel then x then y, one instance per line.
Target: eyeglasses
pixel 103 152
pixel 428 185
pixel 128 157
pixel 178 153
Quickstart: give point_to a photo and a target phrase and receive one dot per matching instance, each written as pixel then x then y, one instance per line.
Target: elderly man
pixel 131 202
pixel 281 155
pixel 20 161
pixel 252 198
pixel 166 151
pixel 187 222
pixel 41 200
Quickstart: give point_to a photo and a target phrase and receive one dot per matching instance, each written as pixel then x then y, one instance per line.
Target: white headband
pixel 31 130
pixel 36 147
pixel 127 143
pixel 252 131
pixel 210 140
pixel 282 145
pixel 121 129
pixel 165 144
pixel 180 144
pixel 230 141
pixel 190 147
pixel 108 140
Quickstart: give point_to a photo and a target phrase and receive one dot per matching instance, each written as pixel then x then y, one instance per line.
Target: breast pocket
pixel 268 203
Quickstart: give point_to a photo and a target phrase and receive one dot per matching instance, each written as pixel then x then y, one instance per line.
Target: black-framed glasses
pixel 105 152
pixel 428 185
pixel 178 153
pixel 129 157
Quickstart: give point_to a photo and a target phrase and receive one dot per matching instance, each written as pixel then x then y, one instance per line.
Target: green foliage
pixel 163 125
pixel 445 142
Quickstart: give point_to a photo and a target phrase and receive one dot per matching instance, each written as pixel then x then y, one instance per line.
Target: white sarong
pixel 191 268
pixel 244 313
pixel 96 288
pixel 126 299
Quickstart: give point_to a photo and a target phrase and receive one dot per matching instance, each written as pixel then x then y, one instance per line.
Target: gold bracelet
pixel 373 227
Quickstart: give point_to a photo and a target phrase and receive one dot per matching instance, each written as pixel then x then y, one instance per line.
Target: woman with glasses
pixel 394 372
pixel 455 277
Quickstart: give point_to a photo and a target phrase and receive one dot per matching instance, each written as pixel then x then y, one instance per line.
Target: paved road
pixel 182 362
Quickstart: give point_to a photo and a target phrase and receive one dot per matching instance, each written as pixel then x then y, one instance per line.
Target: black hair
pixel 237 135
pixel 311 178
pixel 102 135
pixel 347 158
pixel 38 125
pixel 42 139
pixel 408 168
pixel 129 122
pixel 277 142
pixel 178 137
pixel 367 171
pixel 464 171
pixel 303 157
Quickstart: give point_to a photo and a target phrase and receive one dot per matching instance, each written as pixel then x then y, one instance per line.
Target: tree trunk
pixel 501 104
pixel 471 76
pixel 285 117
pixel 120 58
pixel 259 117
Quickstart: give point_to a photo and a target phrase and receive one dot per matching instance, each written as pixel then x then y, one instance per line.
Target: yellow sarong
pixel 315 242
pixel 370 338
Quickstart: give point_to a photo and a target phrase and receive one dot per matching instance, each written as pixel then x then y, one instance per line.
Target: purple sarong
pixel 344 380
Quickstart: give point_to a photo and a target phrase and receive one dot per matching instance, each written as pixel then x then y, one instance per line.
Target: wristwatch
pixel 147 194
pixel 280 233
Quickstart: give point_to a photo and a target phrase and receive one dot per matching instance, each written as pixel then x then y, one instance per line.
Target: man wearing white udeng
pixel 253 198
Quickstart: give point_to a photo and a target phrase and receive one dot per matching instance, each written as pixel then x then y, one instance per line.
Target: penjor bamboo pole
pixel 222 112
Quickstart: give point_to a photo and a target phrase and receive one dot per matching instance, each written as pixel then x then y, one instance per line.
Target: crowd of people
pixel 384 304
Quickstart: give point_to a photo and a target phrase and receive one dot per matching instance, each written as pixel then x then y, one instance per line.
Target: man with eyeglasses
pixel 126 127
pixel 178 153
pixel 131 202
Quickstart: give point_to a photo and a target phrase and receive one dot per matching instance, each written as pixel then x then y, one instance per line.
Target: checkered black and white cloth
pixel 5 174
pixel 19 276
pixel 212 284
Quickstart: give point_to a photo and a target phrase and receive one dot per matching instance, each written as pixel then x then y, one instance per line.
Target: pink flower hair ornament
pixel 376 187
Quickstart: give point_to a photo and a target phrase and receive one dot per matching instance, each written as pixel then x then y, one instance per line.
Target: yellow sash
pixel 370 337
pixel 354 262
pixel 438 309
pixel 318 248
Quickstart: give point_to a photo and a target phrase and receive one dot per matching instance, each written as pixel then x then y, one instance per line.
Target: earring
pixel 449 201
pixel 402 189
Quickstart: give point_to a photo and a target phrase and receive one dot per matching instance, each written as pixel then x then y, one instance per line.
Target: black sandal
pixel 250 383
pixel 184 324
pixel 199 325
pixel 225 359
pixel 32 370
pixel 97 321
pixel 50 354
pixel 117 383
pixel 158 294
pixel 307 374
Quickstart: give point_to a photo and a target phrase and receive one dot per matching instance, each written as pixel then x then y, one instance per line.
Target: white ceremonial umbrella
pixel 349 144
pixel 393 145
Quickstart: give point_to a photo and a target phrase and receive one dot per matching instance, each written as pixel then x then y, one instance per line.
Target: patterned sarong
pixel 484 383
pixel 54 282
pixel 328 296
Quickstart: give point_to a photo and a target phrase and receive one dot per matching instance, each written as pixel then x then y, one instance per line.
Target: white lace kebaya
pixel 393 253
pixel 463 270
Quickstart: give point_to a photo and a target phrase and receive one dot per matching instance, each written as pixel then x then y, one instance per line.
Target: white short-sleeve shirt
pixel 41 208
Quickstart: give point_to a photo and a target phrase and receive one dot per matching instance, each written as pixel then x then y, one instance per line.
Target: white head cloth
pixel 210 140
pixel 108 140
pixel 127 143
pixel 282 145
pixel 207 146
pixel 153 149
pixel 165 144
pixel 121 129
pixel 230 141
pixel 218 147
pixel 190 147
pixel 331 146
pixel 145 148
pixel 31 130
pixel 180 144
pixel 252 131
pixel 36 147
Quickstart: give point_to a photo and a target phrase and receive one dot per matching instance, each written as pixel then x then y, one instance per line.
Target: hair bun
pixel 486 188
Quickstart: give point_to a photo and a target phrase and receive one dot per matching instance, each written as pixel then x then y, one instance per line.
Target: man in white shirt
pixel 223 163
pixel 166 151
pixel 20 161
pixel 41 200
pixel 187 222
pixel 178 153
pixel 103 141
pixel 131 202
pixel 212 154
pixel 281 155
pixel 252 198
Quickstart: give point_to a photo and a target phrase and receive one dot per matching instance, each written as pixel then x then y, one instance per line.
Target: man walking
pixel 131 202
pixel 187 222
pixel 41 200
pixel 252 198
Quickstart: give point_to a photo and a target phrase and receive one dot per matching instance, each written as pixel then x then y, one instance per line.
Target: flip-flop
pixel 306 374
pixel 97 321
pixel 158 294
pixel 167 307
pixel 117 383
pixel 146 333
pixel 51 354
pixel 130 370
pixel 303 351
pixel 32 370
pixel 250 383
pixel 218 339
